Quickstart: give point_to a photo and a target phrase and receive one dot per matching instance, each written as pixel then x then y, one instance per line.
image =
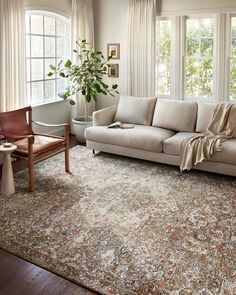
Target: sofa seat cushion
pixel 175 115
pixel 136 110
pixel 146 138
pixel 172 145
pixel 228 154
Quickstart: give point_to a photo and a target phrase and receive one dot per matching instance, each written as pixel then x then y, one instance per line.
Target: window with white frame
pixel 47 42
pixel 199 57
pixel 163 57
pixel 232 76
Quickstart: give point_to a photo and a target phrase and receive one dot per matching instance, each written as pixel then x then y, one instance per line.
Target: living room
pixel 118 163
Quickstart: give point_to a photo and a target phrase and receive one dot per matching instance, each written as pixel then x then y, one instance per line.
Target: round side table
pixel 8 186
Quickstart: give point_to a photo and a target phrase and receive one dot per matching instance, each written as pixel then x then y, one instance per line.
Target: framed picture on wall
pixel 113 70
pixel 113 50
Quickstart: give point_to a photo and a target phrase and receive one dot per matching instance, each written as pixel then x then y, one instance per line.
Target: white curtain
pixel 82 28
pixel 12 55
pixel 141 47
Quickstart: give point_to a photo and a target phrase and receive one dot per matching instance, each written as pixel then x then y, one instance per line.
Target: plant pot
pixel 80 124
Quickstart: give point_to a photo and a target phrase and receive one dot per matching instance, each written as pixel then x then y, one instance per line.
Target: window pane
pixel 205 88
pixel 233 48
pixel 37 92
pixel 164 67
pixel 49 46
pixel 164 85
pixel 207 27
pixel 62 84
pixel 60 28
pixel 192 29
pixel 36 24
pixel 233 27
pixel 47 63
pixel 28 70
pixel 61 47
pixel 206 68
pixel 233 89
pixel 50 90
pixel 233 69
pixel 192 47
pixel 27 21
pixel 36 46
pixel 191 86
pixel 206 48
pixel 37 69
pixel 199 57
pixel 28 92
pixel 49 25
pixel 27 45
pixel 163 57
pixel 191 68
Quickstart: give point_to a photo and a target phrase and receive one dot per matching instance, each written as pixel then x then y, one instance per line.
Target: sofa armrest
pixel 105 116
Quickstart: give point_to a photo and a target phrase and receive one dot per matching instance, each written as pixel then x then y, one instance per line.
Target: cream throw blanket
pixel 198 148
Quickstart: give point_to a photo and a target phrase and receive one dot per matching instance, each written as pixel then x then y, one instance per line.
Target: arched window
pixel 47 42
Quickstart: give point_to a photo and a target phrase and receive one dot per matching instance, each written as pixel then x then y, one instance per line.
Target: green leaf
pixel 114 86
pixel 68 64
pixel 71 102
pixel 61 95
pixel 52 67
pixel 62 74
pixel 50 74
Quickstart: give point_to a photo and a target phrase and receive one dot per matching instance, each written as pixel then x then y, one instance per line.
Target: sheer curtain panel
pixel 141 47
pixel 12 55
pixel 82 28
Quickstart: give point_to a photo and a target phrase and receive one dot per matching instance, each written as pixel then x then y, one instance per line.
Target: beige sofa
pixel 159 128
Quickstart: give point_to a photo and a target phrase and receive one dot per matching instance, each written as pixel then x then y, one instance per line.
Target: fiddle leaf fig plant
pixel 86 75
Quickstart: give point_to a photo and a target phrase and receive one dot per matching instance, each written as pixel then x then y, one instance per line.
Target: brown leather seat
pixel 16 127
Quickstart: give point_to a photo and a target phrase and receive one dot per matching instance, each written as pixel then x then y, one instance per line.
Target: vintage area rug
pixel 125 226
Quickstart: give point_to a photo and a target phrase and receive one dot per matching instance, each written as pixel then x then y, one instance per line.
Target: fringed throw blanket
pixel 198 148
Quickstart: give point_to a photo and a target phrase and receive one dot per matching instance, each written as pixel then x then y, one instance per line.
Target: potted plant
pixel 86 78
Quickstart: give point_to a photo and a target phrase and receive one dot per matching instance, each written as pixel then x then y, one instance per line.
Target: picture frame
pixel 113 70
pixel 113 50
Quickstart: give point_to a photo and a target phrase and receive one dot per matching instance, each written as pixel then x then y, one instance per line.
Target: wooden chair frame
pixel 44 153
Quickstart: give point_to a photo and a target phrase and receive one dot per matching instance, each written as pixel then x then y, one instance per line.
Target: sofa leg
pixel 93 152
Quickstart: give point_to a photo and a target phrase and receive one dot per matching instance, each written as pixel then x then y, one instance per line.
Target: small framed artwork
pixel 113 70
pixel 113 50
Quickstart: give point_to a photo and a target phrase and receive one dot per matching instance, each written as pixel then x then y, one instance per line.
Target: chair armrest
pixel 50 125
pixel 105 116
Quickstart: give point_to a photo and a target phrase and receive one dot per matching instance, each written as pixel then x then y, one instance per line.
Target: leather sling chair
pixel 16 127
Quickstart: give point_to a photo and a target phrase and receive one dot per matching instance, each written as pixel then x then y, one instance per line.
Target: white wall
pixel 188 6
pixel 58 112
pixel 60 6
pixel 110 20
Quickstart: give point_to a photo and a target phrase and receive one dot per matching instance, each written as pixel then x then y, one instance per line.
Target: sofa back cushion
pixel 136 110
pixel 175 115
pixel 204 115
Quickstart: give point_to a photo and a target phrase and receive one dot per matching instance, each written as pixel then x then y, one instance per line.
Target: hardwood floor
pixel 19 277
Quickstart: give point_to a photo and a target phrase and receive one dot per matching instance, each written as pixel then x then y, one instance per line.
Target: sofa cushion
pixel 146 138
pixel 204 115
pixel 136 110
pixel 228 153
pixel 175 115
pixel 172 145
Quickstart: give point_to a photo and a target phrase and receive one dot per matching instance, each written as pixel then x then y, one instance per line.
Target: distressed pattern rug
pixel 125 226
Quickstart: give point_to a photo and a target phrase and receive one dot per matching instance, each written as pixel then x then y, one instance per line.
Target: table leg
pixel 8 186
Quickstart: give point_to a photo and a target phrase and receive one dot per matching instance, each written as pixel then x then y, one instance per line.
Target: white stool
pixel 8 187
